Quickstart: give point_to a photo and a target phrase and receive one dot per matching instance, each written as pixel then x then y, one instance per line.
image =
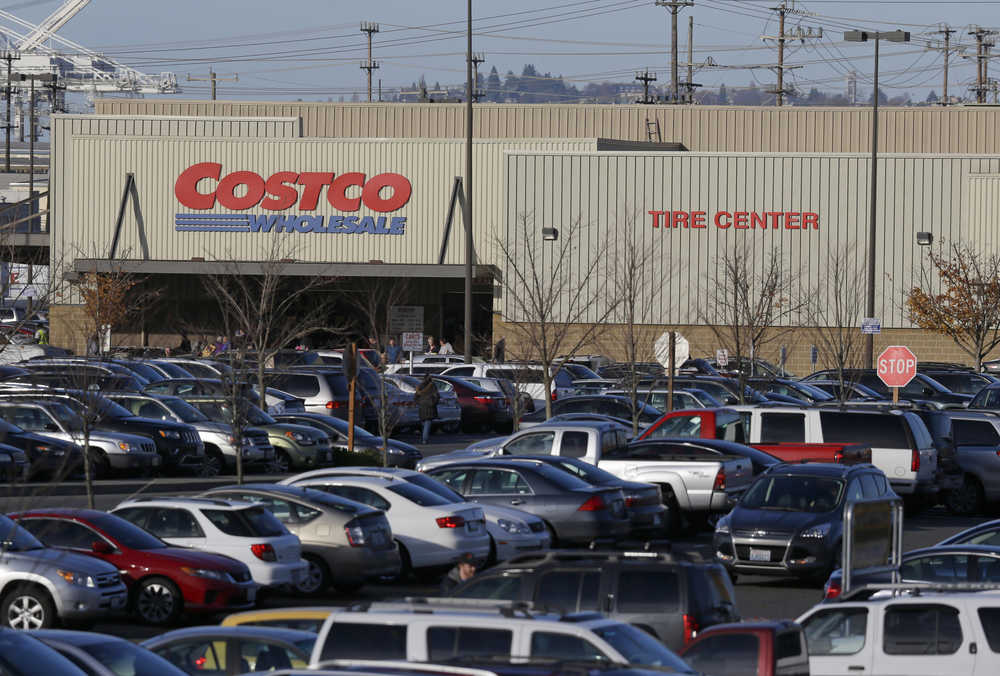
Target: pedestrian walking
pixel 464 570
pixel 392 352
pixel 427 400
pixel 92 345
pixel 499 350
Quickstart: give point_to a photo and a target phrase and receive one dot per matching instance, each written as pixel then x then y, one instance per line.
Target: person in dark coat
pixel 427 400
pixel 499 350
pixel 464 570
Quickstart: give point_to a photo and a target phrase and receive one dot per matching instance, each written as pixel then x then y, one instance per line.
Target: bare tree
pixel 553 293
pixel 264 311
pixel 747 309
pixel 967 309
pixel 834 312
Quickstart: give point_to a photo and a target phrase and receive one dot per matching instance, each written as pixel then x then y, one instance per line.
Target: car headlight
pixel 722 527
pixel 170 434
pixel 125 446
pixel 300 438
pixel 816 532
pixel 79 579
pixel 206 573
pixel 514 527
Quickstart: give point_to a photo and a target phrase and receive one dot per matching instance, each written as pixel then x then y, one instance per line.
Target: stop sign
pixel 896 366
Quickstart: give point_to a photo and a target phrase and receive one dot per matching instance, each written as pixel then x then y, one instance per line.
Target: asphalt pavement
pixel 756 596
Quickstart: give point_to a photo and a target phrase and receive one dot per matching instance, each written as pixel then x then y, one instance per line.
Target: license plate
pixel 760 554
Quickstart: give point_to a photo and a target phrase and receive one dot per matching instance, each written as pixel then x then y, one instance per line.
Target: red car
pixel 163 581
pixel 775 648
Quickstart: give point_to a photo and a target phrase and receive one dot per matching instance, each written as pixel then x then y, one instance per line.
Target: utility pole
pixel 690 81
pixel 477 93
pixel 674 6
pixel 982 54
pixel 369 65
pixel 946 32
pixel 781 38
pixel 645 77
pixel 467 211
pixel 214 78
pixel 9 58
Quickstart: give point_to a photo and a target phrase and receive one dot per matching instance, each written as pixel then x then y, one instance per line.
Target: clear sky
pixel 312 49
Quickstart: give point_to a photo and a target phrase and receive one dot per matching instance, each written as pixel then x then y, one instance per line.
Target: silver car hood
pixel 212 426
pixel 78 563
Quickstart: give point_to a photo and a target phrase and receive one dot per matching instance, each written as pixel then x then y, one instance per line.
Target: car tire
pixel 27 606
pixel 212 464
pixel 967 499
pixel 100 467
pixel 554 538
pixel 157 601
pixel 282 462
pixel 405 563
pixel 672 522
pixel 491 558
pixel 317 577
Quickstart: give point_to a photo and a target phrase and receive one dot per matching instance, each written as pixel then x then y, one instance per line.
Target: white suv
pixel 914 633
pixel 248 533
pixel 441 630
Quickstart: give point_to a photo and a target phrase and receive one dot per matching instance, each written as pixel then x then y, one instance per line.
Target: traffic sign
pixel 722 358
pixel 412 342
pixel 896 366
pixel 871 325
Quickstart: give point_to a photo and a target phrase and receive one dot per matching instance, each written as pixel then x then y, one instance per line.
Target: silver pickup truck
pixel 696 485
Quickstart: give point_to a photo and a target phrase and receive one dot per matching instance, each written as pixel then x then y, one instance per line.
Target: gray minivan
pixel 323 391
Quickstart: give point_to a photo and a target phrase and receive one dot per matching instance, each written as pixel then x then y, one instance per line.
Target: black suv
pixel 669 598
pixel 921 388
pixel 790 520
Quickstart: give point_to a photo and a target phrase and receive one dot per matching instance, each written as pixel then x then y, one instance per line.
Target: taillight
pixel 334 404
pixel 485 401
pixel 355 534
pixel 264 552
pixel 914 460
pixel 838 457
pixel 631 501
pixel 720 481
pixel 593 504
pixel 554 395
pixel 831 590
pixel 451 521
pixel 690 628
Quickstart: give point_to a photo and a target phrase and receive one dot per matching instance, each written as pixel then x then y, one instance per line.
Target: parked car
pixel 789 388
pixel 968 442
pixel 987 533
pixel 618 406
pixel 449 411
pixel 668 597
pixel 422 631
pixel 400 454
pixel 432 532
pixel 245 532
pixel 776 648
pixel 110 452
pixel 14 465
pixel 922 633
pixel 689 397
pixel 40 586
pixel 481 407
pixel 163 581
pixel 24 655
pixel 198 368
pixel 760 461
pixel 526 377
pixel 943 564
pixel 168 369
pixel 303 618
pixel 105 655
pixel 221 446
pixel 295 446
pixel 46 456
pixel 790 521
pixel 988 398
pixel 573 510
pixel 512 531
pixel 921 388
pixel 846 391
pixel 961 379
pixel 345 543
pixel 570 418
pixel 233 650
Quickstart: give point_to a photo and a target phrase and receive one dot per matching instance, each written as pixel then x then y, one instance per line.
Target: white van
pixel 440 630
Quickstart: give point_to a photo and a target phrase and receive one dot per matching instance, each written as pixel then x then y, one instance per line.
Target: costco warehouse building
pixel 362 192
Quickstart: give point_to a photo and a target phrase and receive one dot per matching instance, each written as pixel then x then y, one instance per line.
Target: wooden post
pixel 670 372
pixel 895 396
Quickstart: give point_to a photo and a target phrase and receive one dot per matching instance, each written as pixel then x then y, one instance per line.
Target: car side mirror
pixel 101 547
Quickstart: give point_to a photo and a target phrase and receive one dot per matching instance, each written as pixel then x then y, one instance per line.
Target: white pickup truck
pixel 696 484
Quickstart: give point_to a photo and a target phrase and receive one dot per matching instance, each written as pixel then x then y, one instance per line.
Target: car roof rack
pixel 428 605
pixel 593 554
pixel 916 588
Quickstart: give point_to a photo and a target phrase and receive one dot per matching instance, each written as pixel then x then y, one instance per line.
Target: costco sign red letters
pixel 738 220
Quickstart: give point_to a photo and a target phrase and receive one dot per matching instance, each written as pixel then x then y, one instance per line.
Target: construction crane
pixel 77 68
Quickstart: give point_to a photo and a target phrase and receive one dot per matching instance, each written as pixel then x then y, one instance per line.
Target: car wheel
pixel 316 579
pixel 553 538
pixel 157 601
pixel 491 559
pixel 282 463
pixel 211 464
pixel 27 607
pixel 966 499
pixel 405 563
pixel 100 468
pixel 672 521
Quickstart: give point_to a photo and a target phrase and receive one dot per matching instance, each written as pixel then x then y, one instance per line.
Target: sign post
pixel 896 367
pixel 351 371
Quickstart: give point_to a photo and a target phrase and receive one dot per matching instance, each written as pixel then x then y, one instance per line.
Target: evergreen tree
pixel 932 97
pixel 493 86
pixel 723 95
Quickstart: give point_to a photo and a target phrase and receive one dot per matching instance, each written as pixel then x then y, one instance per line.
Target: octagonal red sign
pixel 896 366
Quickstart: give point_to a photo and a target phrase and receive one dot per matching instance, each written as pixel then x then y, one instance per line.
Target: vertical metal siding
pixel 956 198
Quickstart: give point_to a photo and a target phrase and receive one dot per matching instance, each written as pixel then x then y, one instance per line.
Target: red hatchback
pixel 163 581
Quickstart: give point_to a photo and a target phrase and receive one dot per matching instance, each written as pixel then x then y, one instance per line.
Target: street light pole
pixel 467 211
pixel 864 36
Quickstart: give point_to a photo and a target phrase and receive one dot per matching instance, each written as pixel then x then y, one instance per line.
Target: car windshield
pixel 249 522
pixel 638 647
pixel 222 411
pixel 9 428
pixel 586 471
pixel 127 659
pixel 13 538
pixel 794 494
pixel 172 370
pixel 23 655
pixel 144 370
pixel 435 486
pixel 361 435
pixel 126 533
pixel 183 410
pixel 66 417
pixel 419 495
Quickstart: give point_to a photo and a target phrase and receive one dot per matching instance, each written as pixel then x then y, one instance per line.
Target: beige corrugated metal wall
pixel 610 195
pixel 956 129
pixel 90 191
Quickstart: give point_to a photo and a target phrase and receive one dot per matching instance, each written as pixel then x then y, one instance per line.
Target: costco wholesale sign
pixel 202 186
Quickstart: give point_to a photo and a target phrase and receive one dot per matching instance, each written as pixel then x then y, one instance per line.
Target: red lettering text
pixel 186 187
pixel 740 218
pixel 791 220
pixel 282 195
pixel 680 219
pixel 401 190
pixel 697 219
pixel 810 219
pixel 337 194
pixel 656 217
pixel 226 192
pixel 758 220
pixel 722 219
